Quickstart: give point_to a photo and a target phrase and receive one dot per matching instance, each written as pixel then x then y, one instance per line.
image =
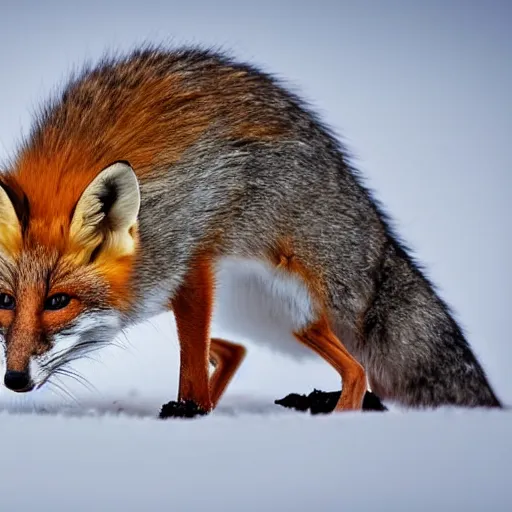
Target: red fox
pixel 152 174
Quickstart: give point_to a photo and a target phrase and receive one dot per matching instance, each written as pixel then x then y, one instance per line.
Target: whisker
pixel 79 350
pixel 55 391
pixel 77 377
pixel 154 326
pixel 58 356
pixel 58 364
pixel 127 341
pixel 61 388
pixel 117 344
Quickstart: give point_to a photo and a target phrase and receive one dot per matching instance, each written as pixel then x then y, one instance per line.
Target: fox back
pixel 146 162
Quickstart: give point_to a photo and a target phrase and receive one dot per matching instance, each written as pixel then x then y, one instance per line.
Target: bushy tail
pixel 415 353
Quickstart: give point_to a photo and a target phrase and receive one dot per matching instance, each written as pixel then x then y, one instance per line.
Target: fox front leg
pixel 192 307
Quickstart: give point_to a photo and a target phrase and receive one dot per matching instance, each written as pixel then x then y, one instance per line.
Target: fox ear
pixel 10 227
pixel 106 213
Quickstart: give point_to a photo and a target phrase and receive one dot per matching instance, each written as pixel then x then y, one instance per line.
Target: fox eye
pixel 6 301
pixel 58 301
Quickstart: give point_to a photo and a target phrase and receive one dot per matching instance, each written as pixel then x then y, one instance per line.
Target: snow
pixel 108 451
pixel 442 460
pixel 421 93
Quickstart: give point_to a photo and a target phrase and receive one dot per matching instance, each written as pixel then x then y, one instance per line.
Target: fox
pixel 156 176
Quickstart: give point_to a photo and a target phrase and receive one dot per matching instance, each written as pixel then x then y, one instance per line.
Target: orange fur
pixel 6 317
pixel 54 321
pixel 118 274
pixel 324 342
pixel 227 357
pixel 26 322
pixel 250 131
pixel 192 307
pixel 77 143
pixel 283 257
pixel 136 129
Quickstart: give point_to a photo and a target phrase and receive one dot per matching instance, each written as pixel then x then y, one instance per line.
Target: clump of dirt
pixel 323 402
pixel 181 409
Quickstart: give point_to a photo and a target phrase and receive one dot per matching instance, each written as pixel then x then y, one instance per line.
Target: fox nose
pixel 17 381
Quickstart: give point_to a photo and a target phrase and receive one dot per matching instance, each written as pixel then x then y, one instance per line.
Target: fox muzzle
pixel 18 381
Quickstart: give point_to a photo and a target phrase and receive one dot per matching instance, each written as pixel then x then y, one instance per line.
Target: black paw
pixel 181 409
pixel 294 401
pixel 371 402
pixel 323 402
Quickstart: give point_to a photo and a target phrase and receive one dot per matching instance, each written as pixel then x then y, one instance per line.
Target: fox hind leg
pixel 227 358
pixel 324 342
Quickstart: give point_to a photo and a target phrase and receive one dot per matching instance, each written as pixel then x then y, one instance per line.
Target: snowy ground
pixel 106 450
pixel 430 461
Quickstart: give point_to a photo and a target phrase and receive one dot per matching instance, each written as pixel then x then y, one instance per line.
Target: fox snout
pixel 18 359
pixel 18 381
pixel 32 358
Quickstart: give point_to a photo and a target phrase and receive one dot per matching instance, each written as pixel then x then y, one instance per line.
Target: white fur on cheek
pixel 2 354
pixel 101 327
pixel 35 371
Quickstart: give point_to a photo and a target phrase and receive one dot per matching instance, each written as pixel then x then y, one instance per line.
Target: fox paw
pixel 324 402
pixel 372 402
pixel 181 409
pixel 294 401
pixel 316 402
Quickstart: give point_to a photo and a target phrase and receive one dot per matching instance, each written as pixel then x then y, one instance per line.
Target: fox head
pixel 64 279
